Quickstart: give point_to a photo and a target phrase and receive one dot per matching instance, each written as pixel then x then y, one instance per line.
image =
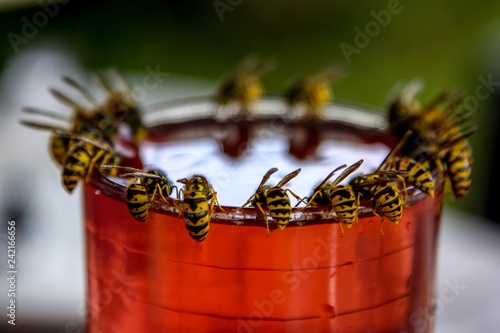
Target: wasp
pixel 313 91
pixel 60 142
pixel 95 125
pixel 243 85
pixel 199 198
pixel 274 197
pixel 439 137
pixel 88 120
pixel 83 157
pixel 142 188
pixel 454 161
pixel 432 124
pixel 122 107
pixel 414 172
pixel 341 198
pixel 383 188
pixel 459 168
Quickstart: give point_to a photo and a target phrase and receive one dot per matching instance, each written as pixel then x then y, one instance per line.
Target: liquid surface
pixel 235 180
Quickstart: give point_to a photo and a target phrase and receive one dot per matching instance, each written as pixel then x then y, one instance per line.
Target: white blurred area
pixel 49 230
pixel 49 240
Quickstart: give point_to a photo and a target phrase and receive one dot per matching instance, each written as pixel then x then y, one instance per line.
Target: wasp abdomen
pixel 194 202
pixel 418 175
pixel 279 206
pixel 75 166
pixel 196 215
pixel 388 201
pixel 459 164
pixel 344 204
pixel 137 201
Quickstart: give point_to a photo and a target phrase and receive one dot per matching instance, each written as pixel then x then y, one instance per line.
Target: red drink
pixel 153 277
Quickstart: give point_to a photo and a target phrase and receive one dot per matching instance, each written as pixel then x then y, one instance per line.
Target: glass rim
pixel 198 109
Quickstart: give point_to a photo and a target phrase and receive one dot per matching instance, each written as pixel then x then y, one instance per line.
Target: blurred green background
pixel 445 43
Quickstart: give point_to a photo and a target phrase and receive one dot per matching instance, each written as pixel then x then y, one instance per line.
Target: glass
pixel 153 277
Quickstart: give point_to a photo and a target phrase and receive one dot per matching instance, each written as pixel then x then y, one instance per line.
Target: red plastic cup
pixel 153 277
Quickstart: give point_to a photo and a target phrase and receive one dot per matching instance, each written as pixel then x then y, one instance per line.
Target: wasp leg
pixel 265 217
pixel 130 181
pixel 214 196
pixel 176 190
pixel 212 203
pixel 158 189
pixel 303 200
pixel 381 219
pixel 248 201
pixel 443 178
pixel 178 203
pixel 403 181
pixel 340 223
pixel 92 164
pixel 308 204
pixel 358 199
pixel 153 195
pixel 296 196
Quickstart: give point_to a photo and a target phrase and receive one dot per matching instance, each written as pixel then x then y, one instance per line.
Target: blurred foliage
pixel 445 43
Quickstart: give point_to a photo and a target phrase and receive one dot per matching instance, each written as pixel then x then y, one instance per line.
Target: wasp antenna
pixel 182 181
pixel 47 113
pixel 42 126
pixel 84 92
pixel 102 82
pixel 63 98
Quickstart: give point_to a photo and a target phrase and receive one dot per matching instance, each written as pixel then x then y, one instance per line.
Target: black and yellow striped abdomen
pixel 59 147
pixel 387 200
pixel 138 201
pixel 344 203
pixel 279 206
pixel 195 208
pixel 76 164
pixel 417 176
pixel 459 168
pixel 81 160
